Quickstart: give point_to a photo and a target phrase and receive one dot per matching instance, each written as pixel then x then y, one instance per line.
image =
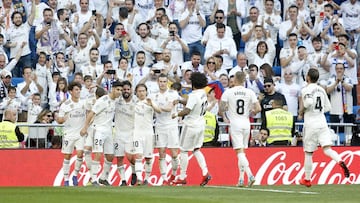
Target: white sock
pixel 106 170
pixel 245 163
pixel 94 170
pixel 183 164
pixel 66 169
pixel 332 154
pixel 201 160
pixel 241 168
pixel 78 163
pixel 308 166
pixel 148 169
pixel 175 165
pixel 162 166
pixel 121 170
pixel 138 169
pixel 88 159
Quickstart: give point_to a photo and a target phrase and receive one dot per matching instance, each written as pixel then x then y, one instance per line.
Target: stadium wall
pixel 272 166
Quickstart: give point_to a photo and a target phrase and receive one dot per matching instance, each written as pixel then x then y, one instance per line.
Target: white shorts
pixel 68 144
pixel 167 137
pixel 119 147
pixel 142 145
pixel 103 142
pixel 89 139
pixel 239 138
pixel 191 138
pixel 312 137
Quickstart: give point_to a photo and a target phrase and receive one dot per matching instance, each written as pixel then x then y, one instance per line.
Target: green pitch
pixel 278 194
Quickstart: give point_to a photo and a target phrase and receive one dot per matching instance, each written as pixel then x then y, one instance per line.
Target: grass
pixel 278 194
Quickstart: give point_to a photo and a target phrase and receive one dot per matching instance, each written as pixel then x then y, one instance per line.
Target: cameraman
pixel 107 77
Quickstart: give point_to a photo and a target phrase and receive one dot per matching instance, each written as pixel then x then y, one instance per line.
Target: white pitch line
pixel 265 190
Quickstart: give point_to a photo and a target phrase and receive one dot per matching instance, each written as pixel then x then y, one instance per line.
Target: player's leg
pixel 88 147
pixel 67 149
pixel 199 138
pixel 98 150
pixel 160 144
pixel 325 142
pixel 79 145
pixel 186 145
pixel 119 153
pixel 109 156
pixel 148 154
pixel 129 152
pixel 310 145
pixel 173 146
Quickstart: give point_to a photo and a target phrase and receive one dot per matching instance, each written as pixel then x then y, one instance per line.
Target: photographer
pixel 107 77
pixel 119 45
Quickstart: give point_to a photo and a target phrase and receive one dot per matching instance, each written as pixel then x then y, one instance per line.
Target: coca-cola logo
pixel 114 177
pixel 276 169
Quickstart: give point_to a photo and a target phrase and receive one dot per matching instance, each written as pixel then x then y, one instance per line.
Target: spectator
pixel 288 55
pixel 301 66
pixel 123 72
pixel 223 46
pixel 33 107
pixel 11 134
pixel 248 28
pixel 40 136
pixel 270 94
pixel 210 32
pixel 175 44
pixel 254 83
pixel 60 65
pixel 317 56
pixel 10 102
pixel 43 73
pixel 224 80
pixel 289 26
pixel 272 20
pixel 194 64
pixel 191 23
pixel 60 95
pixel 5 83
pixel 27 88
pixel 17 35
pixel 281 130
pixel 170 68
pixel 210 69
pixel 92 68
pixel 263 53
pixel 140 70
pixel 260 139
pixel 119 45
pixel 107 77
pixel 339 88
pixel 241 62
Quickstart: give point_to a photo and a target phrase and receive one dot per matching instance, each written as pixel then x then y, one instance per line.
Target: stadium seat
pixel 277 70
pixel 15 81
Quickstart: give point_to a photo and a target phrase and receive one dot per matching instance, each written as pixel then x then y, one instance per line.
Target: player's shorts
pixel 239 137
pixel 119 147
pixel 142 143
pixel 191 138
pixel 89 139
pixel 103 142
pixel 68 144
pixel 167 137
pixel 312 137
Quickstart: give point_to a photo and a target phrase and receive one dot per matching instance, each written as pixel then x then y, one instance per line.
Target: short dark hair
pixel 74 84
pixel 313 75
pixel 198 80
pixel 126 82
pixel 117 83
pixel 99 92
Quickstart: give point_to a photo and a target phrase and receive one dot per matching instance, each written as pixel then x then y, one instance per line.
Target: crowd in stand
pixel 49 43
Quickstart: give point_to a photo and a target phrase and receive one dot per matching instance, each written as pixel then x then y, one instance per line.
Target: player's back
pixel 197 103
pixel 316 103
pixel 240 101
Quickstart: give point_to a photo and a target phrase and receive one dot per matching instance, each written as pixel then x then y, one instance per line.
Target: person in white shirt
pixel 101 117
pixel 92 68
pixel 143 137
pixel 222 46
pixel 16 35
pixel 315 103
pixel 241 62
pixel 10 102
pixel 317 56
pixel 72 114
pixel 194 64
pixel 166 127
pixel 192 133
pixel 26 89
pixel 175 44
pixel 272 20
pixel 192 22
pixel 82 16
pixel 210 32
pixel 140 70
pixel 247 30
pixel 43 73
pixel 239 104
pixel 289 55
pixel 124 129
pixel 289 26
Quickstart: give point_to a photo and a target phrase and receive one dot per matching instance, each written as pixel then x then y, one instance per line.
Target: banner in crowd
pixel 271 166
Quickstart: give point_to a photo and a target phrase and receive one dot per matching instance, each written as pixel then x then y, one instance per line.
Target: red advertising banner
pixel 271 166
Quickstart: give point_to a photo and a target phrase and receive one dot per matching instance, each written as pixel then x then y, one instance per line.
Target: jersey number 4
pixel 318 105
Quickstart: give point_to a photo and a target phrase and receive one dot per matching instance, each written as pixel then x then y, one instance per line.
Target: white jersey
pixel 75 112
pixel 316 103
pixel 124 119
pixel 197 103
pixel 240 100
pixel 104 108
pixel 143 119
pixel 164 119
